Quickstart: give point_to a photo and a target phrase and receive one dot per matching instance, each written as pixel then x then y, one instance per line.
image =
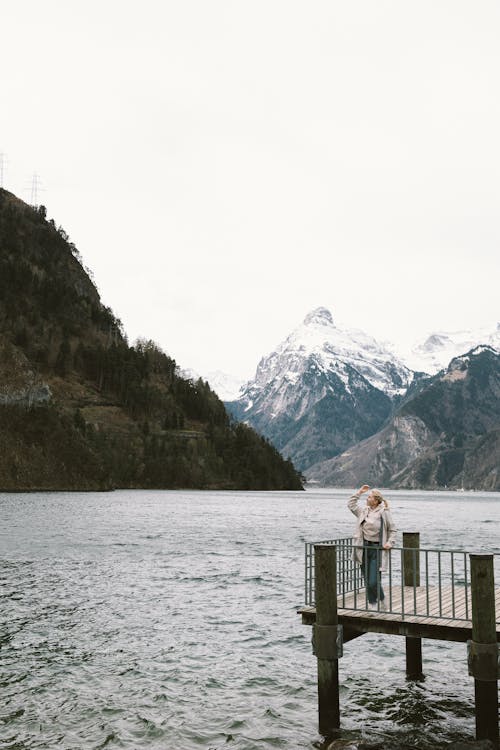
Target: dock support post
pixel 411 577
pixel 325 564
pixel 484 643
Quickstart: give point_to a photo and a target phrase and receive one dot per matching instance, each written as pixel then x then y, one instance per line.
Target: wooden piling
pixel 484 642
pixel 325 564
pixel 411 577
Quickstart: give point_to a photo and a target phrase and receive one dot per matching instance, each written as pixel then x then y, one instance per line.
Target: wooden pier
pixel 466 610
pixel 438 624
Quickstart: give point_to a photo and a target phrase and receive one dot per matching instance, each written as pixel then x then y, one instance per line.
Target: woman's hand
pixel 387 545
pixel 364 488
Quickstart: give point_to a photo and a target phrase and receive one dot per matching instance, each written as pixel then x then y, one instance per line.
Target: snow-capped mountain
pixel 333 349
pixel 322 389
pixel 226 386
pixel 437 350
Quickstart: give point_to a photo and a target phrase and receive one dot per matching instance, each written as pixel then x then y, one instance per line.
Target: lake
pixel 167 619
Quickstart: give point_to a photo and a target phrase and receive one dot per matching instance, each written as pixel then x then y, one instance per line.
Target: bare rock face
pixel 407 437
pixel 19 384
pixel 382 455
pixel 446 435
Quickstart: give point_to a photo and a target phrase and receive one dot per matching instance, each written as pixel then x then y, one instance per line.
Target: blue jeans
pixel 371 571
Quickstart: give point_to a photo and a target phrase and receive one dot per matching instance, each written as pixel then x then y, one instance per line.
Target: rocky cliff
pixel 446 435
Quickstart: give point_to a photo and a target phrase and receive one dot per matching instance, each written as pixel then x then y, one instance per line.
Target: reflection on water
pixel 167 620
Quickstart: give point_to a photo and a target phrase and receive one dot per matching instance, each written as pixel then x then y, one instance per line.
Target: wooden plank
pixel 407 628
pixel 422 623
pixel 417 605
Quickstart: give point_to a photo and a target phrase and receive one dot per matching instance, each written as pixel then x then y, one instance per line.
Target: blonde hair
pixel 378 496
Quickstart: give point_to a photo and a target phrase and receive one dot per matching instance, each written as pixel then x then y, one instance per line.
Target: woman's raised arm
pixel 353 500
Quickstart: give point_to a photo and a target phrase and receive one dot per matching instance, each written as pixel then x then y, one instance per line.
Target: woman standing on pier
pixel 373 538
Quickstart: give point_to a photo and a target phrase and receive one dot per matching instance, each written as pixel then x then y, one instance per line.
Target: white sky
pixel 225 166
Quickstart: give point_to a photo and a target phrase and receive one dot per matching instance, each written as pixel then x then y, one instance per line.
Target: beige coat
pixel 388 531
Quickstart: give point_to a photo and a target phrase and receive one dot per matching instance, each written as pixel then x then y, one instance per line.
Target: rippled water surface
pixel 168 620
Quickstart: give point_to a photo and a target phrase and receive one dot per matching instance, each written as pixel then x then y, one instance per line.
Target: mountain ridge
pixel 446 436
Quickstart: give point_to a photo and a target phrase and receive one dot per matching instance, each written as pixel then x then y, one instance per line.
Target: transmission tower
pixel 35 187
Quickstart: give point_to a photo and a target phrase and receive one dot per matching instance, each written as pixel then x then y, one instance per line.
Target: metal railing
pixel 417 582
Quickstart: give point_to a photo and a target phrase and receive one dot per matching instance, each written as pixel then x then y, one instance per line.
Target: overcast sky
pixel 224 167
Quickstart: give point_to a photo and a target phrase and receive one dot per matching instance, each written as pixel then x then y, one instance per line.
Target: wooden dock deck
pixel 428 613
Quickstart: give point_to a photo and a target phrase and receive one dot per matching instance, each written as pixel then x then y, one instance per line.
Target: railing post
pixel 483 650
pixel 411 577
pixel 326 640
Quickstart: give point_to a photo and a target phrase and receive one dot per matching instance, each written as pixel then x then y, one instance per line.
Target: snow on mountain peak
pixel 320 316
pixel 317 340
pixel 435 342
pixel 225 385
pixel 440 347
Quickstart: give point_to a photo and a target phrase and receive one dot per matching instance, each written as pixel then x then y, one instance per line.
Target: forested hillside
pixel 82 409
